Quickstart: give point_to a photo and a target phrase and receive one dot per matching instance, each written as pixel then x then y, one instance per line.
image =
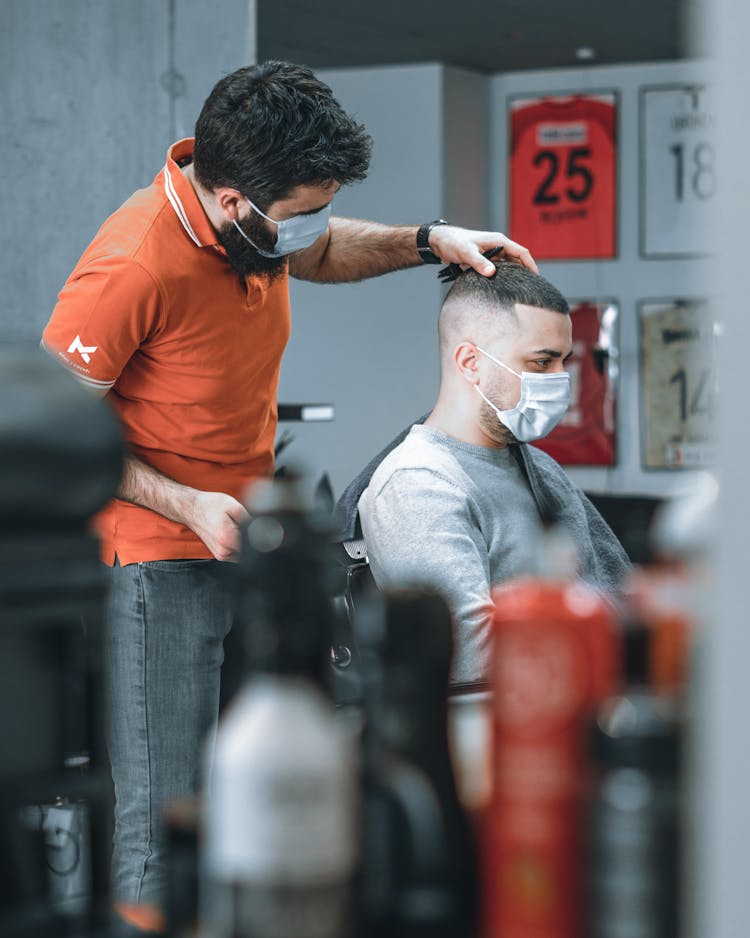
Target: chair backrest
pixel 357 581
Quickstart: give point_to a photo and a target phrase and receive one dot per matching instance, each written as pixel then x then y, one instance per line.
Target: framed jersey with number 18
pixel 677 170
pixel 563 175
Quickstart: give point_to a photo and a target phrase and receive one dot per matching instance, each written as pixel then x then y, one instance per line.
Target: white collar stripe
pixel 177 205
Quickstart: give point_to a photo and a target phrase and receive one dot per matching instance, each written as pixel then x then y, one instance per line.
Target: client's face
pixel 540 343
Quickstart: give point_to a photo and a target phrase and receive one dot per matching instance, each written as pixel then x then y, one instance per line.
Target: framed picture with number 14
pixel 678 339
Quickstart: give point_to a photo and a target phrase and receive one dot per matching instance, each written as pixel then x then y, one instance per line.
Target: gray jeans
pixel 166 623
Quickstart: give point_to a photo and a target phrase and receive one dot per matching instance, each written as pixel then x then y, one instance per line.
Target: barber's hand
pixel 216 519
pixel 461 246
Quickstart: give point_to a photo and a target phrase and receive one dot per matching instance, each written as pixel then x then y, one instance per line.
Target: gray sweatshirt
pixel 460 518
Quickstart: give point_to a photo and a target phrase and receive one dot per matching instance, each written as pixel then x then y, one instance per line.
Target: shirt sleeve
pixel 421 530
pixel 104 313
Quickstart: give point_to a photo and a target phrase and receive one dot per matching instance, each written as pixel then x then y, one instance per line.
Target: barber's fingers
pixel 465 248
pixel 518 253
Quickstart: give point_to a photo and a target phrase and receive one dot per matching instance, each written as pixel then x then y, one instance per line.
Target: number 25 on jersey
pixel 563 175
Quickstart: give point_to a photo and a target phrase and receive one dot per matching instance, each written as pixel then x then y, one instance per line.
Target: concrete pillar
pixel 94 91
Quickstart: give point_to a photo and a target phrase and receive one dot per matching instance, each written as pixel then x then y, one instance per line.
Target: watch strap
pixel 423 241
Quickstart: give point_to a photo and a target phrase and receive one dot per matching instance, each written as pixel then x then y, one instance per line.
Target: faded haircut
pixel 477 306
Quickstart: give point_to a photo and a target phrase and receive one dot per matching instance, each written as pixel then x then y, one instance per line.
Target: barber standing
pixel 178 311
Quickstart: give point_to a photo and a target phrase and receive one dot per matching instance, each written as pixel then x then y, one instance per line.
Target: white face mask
pixel 292 234
pixel 544 400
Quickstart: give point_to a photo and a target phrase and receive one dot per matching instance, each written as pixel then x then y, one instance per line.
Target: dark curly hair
pixel 267 128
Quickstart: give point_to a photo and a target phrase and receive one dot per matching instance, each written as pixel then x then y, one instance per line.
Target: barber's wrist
pixel 423 241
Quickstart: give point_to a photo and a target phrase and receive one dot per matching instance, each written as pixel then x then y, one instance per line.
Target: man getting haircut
pixel 457 504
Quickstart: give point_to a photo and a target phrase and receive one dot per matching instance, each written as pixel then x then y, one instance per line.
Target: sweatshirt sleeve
pixel 421 530
pixel 105 312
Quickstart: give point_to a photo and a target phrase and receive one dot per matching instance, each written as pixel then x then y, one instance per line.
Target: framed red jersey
pixel 586 434
pixel 563 175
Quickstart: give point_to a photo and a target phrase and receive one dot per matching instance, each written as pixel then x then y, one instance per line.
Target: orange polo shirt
pixel 186 351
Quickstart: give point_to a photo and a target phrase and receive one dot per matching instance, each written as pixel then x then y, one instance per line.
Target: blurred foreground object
pixel 60 461
pixel 280 844
pixel 60 446
pixel 670 593
pixel 556 658
pixel 419 876
pixel 641 836
pixel 635 806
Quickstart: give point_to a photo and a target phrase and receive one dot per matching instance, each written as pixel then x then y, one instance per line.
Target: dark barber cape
pixel 603 561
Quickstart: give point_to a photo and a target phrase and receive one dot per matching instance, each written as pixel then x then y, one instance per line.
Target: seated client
pixel 456 505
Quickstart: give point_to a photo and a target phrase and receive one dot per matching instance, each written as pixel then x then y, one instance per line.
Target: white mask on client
pixel 542 405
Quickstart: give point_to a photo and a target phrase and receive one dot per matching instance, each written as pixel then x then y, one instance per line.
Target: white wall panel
pixel 628 278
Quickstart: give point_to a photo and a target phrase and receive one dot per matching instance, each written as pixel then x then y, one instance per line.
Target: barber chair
pixel 355 584
pixel 356 581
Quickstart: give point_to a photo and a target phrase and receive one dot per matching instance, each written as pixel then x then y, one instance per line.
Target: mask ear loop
pixel 251 242
pixel 247 237
pixel 497 361
pixel 255 208
pixel 487 401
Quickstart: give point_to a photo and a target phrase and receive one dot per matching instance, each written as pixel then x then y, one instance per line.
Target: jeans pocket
pixel 175 566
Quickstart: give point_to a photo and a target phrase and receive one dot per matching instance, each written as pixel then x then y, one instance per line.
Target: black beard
pixel 243 257
pixel 494 428
pixel 491 423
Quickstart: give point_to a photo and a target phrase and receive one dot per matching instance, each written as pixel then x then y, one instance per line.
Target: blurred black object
pixel 635 805
pixel 306 577
pixel 306 413
pixel 286 574
pixel 419 872
pixel 630 517
pixel 61 458
pixel 182 826
pixel 60 446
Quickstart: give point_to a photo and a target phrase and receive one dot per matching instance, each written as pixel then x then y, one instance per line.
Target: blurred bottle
pixel 555 659
pixel 633 870
pixel 673 596
pixel 418 877
pixel 671 593
pixel 280 840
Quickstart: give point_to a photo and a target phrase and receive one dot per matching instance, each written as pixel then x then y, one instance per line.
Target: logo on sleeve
pixel 85 351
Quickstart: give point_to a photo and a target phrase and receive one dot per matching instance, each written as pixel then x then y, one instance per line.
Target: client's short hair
pixel 476 305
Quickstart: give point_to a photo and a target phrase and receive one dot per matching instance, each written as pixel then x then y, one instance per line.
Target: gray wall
pixel 93 93
pixel 441 148
pixel 371 348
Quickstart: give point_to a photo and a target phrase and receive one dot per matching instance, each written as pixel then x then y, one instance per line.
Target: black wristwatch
pixel 423 241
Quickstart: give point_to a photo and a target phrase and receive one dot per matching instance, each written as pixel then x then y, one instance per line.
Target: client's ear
pixel 466 360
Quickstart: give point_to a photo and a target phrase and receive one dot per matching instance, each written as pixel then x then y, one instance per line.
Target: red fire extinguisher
pixel 556 657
